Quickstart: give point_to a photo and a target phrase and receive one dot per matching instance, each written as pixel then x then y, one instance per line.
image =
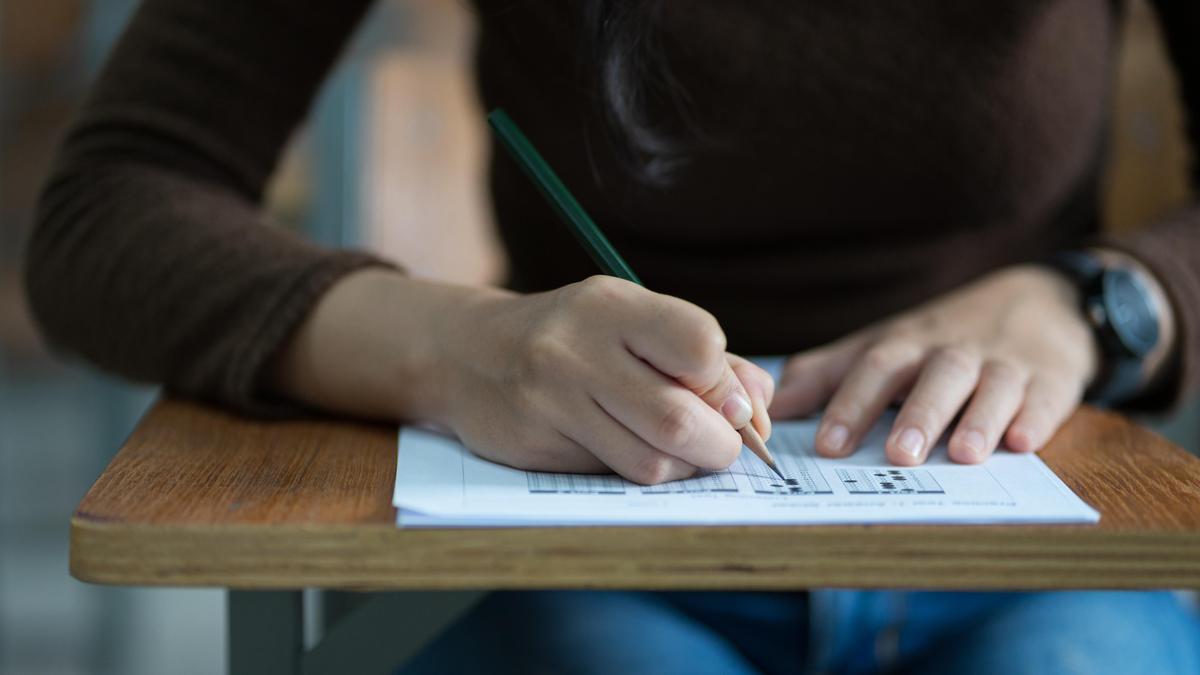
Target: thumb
pixel 760 386
pixel 729 397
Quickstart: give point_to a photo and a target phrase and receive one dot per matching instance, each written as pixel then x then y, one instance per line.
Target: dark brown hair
pixel 645 108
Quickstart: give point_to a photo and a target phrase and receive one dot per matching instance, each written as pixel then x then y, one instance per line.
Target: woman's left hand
pixel 1011 352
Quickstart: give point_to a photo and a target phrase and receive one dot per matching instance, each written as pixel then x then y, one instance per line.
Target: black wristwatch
pixel 1123 316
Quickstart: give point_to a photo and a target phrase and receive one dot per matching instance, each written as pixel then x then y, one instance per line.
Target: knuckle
pixel 958 360
pixel 805 369
pixel 720 450
pixel 713 336
pixel 544 358
pixel 920 413
pixel 544 352
pixel 653 469
pixel 599 289
pixel 879 357
pixel 889 354
pixel 706 341
pixel 1003 371
pixel 599 283
pixel 844 412
pixel 677 427
pixel 768 386
pixel 799 367
pixel 728 453
pixel 726 386
pixel 758 380
pixel 907 327
pixel 983 418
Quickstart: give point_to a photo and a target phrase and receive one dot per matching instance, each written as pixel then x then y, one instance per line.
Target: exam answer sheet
pixel 439 483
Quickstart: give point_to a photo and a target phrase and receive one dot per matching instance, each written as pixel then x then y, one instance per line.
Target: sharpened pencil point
pixel 753 441
pixel 775 468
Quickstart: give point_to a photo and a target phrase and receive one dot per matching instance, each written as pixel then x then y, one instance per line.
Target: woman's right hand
pixel 595 376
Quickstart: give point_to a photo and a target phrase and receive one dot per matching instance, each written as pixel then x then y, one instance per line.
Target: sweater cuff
pixel 243 386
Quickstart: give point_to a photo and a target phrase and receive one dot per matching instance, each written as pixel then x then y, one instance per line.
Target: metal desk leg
pixel 362 632
pixel 266 632
pixel 376 633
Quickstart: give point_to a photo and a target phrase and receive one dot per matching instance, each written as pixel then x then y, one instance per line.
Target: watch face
pixel 1131 312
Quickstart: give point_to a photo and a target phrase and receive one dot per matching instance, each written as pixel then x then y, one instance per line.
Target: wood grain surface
pixel 200 497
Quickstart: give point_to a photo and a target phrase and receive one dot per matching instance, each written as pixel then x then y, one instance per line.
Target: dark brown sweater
pixel 873 155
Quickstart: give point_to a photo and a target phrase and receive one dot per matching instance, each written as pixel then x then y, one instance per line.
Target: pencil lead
pixel 775 468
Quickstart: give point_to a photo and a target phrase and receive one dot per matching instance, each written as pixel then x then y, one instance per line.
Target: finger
pixel 1049 400
pixel 947 379
pixel 558 454
pixel 687 344
pixel 758 382
pixel 810 378
pixel 673 335
pixel 623 451
pixel 996 400
pixel 760 386
pixel 678 338
pixel 870 384
pixel 664 414
pixel 728 396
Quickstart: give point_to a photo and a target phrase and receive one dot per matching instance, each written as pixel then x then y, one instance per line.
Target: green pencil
pixel 560 198
pixel 587 232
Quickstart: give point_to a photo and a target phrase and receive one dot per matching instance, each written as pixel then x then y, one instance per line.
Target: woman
pixel 874 187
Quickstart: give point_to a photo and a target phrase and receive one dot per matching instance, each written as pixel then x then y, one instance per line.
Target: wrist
pixel 1069 298
pixel 459 339
pixel 375 346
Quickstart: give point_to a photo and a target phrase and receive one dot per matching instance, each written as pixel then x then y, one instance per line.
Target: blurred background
pixel 393 144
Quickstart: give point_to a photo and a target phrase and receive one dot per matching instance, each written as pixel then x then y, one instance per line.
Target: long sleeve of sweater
pixel 151 257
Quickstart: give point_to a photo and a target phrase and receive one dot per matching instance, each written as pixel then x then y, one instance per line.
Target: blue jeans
pixel 585 632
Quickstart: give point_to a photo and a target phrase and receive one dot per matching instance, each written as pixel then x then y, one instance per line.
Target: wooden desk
pixel 198 497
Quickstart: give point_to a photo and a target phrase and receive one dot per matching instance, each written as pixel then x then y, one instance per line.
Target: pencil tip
pixel 775 468
pixel 755 443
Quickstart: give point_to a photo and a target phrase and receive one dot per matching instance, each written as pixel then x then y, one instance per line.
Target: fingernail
pixel 910 441
pixel 974 441
pixel 835 437
pixel 737 410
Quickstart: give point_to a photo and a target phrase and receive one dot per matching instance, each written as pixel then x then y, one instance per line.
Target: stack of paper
pixel 439 483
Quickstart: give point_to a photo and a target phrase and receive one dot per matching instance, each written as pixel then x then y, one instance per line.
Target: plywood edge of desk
pixel 388 558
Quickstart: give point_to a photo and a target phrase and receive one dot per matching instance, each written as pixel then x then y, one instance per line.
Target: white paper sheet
pixel 439 483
